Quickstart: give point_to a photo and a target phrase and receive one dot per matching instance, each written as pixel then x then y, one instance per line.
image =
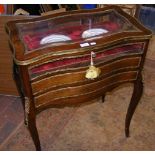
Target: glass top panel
pixel 72 29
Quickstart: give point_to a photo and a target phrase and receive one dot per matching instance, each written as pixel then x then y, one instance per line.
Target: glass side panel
pixel 70 29
pixel 77 62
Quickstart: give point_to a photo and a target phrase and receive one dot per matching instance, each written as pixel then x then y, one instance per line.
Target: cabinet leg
pixel 103 97
pixel 30 121
pixel 34 134
pixel 137 93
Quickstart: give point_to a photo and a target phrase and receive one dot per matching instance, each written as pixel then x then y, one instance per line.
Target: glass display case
pixel 76 29
pixel 73 57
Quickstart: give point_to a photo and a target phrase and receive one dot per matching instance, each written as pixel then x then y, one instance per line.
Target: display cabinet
pixel 73 57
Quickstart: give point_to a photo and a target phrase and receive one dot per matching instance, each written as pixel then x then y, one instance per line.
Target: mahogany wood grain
pixel 75 77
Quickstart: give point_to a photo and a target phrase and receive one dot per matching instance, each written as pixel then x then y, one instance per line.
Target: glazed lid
pixel 78 28
pixel 73 31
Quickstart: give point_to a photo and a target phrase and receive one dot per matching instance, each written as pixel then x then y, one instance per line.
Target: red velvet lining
pixel 32 41
pixel 70 61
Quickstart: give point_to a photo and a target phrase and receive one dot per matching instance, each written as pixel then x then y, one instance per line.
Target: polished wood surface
pixel 79 76
pixel 67 86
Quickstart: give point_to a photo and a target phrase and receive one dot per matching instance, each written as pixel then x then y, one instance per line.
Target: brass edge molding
pixel 36 93
pixel 122 57
pixel 117 61
pixel 90 83
pixel 82 55
pixel 66 52
pixel 78 72
pixel 122 81
pixel 109 57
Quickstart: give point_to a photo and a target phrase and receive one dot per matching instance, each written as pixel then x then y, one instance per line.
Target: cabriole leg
pixel 137 93
pixel 103 97
pixel 30 122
